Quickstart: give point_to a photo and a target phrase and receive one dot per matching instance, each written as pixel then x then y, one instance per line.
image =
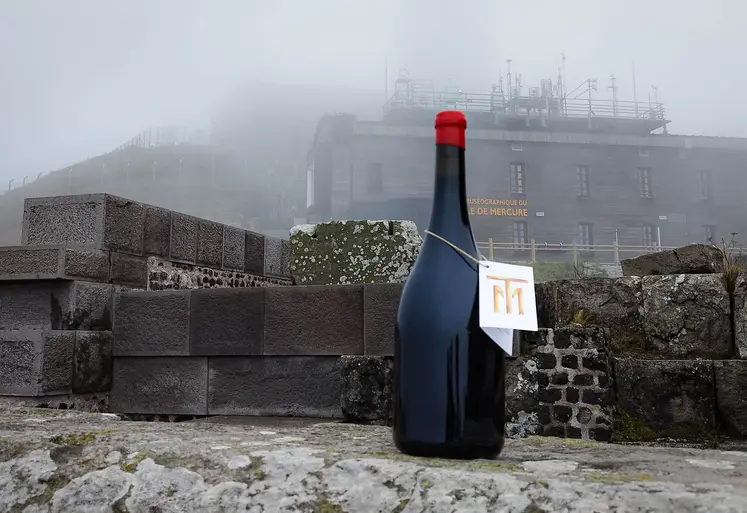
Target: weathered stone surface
pixel 227 321
pixel 380 304
pixel 61 461
pixel 36 362
pixel 97 221
pixel 273 254
pixel 302 386
pixel 234 247
pixel 157 231
pixel 129 270
pixel 731 400
pixel 53 262
pixel 604 302
pixel 209 243
pixel 314 320
pixel 367 389
pixel 740 317
pixel 692 259
pixel 183 247
pixel 254 253
pixel 343 252
pixel 92 369
pixel 151 323
pixel 522 398
pixel 160 385
pixel 665 398
pixel 687 316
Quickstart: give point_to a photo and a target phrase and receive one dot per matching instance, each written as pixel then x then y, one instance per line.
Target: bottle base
pixel 450 451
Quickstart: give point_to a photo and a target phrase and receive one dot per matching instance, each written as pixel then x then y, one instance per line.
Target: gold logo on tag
pixel 504 291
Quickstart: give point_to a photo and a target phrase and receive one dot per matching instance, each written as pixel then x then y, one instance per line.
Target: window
pixel 705 185
pixel 374 178
pixel 582 174
pixel 520 234
pixel 585 235
pixel 648 235
pixel 517 178
pixel 710 232
pixel 516 146
pixel 644 178
pixel 642 152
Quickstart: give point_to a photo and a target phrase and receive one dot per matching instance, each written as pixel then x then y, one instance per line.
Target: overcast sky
pixel 80 77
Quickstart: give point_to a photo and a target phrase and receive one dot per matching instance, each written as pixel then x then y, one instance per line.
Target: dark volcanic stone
pixel 692 259
pixel 367 389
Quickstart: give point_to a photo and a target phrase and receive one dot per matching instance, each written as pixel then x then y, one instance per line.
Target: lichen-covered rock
pixel 731 382
pixel 346 252
pixel 59 462
pixel 367 389
pixel 665 399
pixel 522 398
pixel 687 316
pixel 692 259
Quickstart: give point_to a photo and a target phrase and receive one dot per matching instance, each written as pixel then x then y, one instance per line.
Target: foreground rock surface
pixel 692 259
pixel 52 461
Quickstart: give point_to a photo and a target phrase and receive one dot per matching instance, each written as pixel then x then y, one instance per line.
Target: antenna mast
pixel 613 80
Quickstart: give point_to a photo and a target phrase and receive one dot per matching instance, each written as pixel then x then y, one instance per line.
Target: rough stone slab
pixel 273 257
pixel 740 317
pixel 33 305
pixel 314 320
pixel 380 304
pixel 545 295
pixel 522 398
pixel 96 221
pixel 731 400
pixel 76 220
pixel 295 386
pixel 334 467
pixel 53 262
pixel 129 270
pixel 157 231
pixel 92 370
pixel 151 323
pixel 159 385
pixel 687 316
pixel 234 248
pixel 604 302
pixel 367 389
pixel 665 398
pixel 91 306
pixel 286 254
pixel 209 243
pixel 254 255
pixel 124 221
pixel 227 321
pixel 37 362
pixel 344 252
pixel 183 246
pixel 692 259
pixel 23 262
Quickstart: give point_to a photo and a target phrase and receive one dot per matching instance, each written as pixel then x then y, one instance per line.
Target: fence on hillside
pixel 533 251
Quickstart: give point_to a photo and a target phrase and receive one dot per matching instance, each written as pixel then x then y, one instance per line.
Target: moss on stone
pixel 57 481
pixel 485 465
pixel 401 506
pixel 323 505
pixel 534 508
pixel 604 477
pixel 627 428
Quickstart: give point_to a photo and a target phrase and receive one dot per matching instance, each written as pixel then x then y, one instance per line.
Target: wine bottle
pixel 449 391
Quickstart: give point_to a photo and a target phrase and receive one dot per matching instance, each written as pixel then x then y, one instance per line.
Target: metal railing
pixel 552 107
pixel 167 136
pixel 532 249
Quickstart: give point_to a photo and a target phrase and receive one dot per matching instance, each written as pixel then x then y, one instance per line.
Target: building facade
pixel 541 170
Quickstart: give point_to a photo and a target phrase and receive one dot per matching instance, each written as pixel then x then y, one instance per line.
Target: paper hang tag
pixel 507 301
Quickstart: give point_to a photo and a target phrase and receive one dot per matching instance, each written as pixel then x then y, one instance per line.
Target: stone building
pixel 540 168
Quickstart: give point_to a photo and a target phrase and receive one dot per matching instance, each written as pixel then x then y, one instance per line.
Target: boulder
pixel 692 259
pixel 55 461
pixel 367 389
pixel 740 317
pixel 345 252
pixel 687 316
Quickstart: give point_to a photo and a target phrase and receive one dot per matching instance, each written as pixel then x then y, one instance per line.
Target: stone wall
pixel 57 291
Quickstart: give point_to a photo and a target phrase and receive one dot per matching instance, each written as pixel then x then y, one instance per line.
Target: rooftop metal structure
pixel 547 107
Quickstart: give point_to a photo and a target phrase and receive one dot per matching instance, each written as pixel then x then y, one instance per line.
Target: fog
pixel 80 77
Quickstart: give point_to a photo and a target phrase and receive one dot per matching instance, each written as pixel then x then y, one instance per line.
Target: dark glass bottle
pixel 448 374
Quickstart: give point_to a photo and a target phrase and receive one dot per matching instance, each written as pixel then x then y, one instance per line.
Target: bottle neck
pixel 449 216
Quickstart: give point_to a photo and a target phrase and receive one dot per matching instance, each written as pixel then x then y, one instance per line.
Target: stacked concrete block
pixel 125 233
pixel 246 351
